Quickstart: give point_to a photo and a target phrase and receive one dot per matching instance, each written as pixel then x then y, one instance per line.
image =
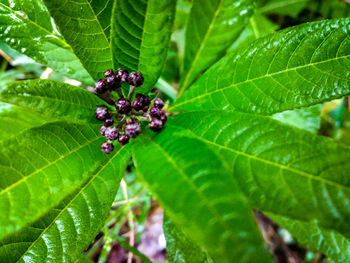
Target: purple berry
pixel 112 81
pixel 107 147
pixel 100 86
pixel 158 103
pixel 102 130
pixel 108 73
pixel 163 118
pixel 155 112
pixel 123 139
pixel 123 106
pixel 122 75
pixel 156 125
pixel 145 108
pixel 136 79
pixel 132 129
pixel 101 113
pixel 109 122
pixel 137 105
pixel 111 133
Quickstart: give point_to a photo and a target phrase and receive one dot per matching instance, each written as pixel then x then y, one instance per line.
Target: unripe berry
pixel 123 106
pixel 108 73
pixel 101 113
pixel 123 139
pixel 136 79
pixel 155 125
pixel 158 103
pixel 122 75
pixel 137 105
pixel 100 86
pixel 163 118
pixel 109 122
pixel 155 112
pixel 111 133
pixel 107 147
pixel 102 130
pixel 132 129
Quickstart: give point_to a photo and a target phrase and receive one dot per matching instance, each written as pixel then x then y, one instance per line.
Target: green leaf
pixel 27 27
pixel 83 24
pixel 308 119
pixel 179 248
pixel 211 28
pixel 294 68
pixel 140 36
pixel 281 169
pixel 66 230
pixel 331 243
pixel 43 166
pixel 200 196
pixel 22 119
pixel 52 98
pixel 283 7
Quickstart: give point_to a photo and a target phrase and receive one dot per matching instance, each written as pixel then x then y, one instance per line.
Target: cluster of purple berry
pixel 128 115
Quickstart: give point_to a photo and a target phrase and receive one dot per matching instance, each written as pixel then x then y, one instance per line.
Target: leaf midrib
pixel 91 179
pixel 254 79
pixel 205 39
pixel 281 166
pixel 25 178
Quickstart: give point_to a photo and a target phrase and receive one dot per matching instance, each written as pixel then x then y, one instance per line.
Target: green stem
pixel 165 87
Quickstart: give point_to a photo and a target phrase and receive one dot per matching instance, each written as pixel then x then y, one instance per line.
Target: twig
pixel 131 222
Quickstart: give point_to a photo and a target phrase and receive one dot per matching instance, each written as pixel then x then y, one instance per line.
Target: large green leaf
pixel 180 248
pixel 281 169
pixel 84 25
pixel 26 26
pixel 200 196
pixel 41 167
pixel 211 28
pixel 331 243
pixel 66 230
pixel 140 36
pixel 293 68
pixel 15 120
pixel 52 98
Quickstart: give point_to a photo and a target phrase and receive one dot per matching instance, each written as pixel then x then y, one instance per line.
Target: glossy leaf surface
pixel 26 26
pixel 82 23
pixel 283 170
pixel 293 68
pixel 211 28
pixel 200 196
pixel 66 230
pixel 52 98
pixel 140 36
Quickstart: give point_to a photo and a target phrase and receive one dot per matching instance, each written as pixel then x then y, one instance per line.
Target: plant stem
pixel 165 87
